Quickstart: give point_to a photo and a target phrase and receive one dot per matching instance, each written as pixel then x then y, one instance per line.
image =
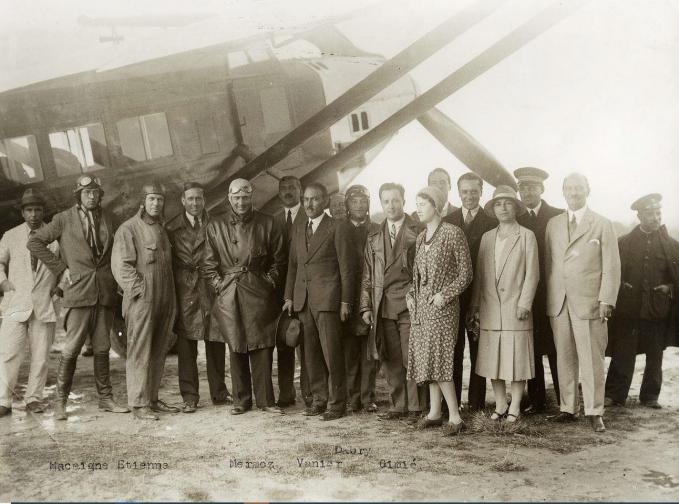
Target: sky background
pixel 598 93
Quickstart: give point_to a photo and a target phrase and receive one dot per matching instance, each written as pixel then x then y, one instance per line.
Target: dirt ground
pixel 211 455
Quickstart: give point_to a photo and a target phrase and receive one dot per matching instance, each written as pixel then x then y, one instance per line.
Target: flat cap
pixel 648 202
pixel 531 174
pixel 32 197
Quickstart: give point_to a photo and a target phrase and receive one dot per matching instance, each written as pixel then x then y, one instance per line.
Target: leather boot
pixel 65 373
pixel 102 379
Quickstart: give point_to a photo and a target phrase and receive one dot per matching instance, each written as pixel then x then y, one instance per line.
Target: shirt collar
pixel 537 208
pixel 317 221
pixel 398 223
pixel 578 214
pixel 293 211
pixel 191 218
pixel 473 212
pixel 28 228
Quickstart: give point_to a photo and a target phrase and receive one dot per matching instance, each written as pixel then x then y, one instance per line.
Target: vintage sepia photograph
pixel 355 250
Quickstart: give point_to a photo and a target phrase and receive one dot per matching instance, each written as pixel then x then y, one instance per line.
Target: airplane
pixel 236 109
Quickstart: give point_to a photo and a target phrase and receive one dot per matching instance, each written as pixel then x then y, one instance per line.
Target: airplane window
pixel 355 127
pixel 20 160
pixel 78 150
pixel 275 110
pixel 145 137
pixel 237 59
pixel 364 121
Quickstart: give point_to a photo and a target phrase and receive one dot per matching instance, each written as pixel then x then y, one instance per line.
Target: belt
pixel 234 270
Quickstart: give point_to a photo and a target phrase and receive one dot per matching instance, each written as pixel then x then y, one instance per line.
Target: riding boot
pixel 65 373
pixel 102 379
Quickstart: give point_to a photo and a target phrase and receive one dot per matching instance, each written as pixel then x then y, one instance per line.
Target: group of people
pixel 515 279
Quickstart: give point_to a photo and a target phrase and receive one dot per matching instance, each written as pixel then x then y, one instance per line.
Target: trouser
pixel 324 357
pixel 360 371
pixel 580 355
pixel 537 394
pixel 286 373
pixel 148 341
pixel 81 322
pixel 651 335
pixel 15 337
pixel 215 355
pixel 404 394
pixel 476 396
pixel 253 367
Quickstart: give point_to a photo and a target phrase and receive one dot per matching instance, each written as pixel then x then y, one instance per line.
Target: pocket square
pixel 594 241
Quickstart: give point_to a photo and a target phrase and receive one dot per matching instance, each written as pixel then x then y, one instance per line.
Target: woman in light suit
pixel 505 281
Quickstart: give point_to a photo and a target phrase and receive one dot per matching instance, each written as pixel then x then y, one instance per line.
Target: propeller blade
pixel 466 148
pixel 386 74
pixel 503 48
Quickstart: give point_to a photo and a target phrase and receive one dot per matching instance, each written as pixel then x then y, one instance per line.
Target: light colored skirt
pixel 506 355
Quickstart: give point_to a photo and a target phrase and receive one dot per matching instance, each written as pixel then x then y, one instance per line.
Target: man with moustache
pixel 387 277
pixel 290 195
pixel 194 303
pixel 582 268
pixel 531 186
pixel 474 222
pixel 85 236
pixel 647 311
pixel 361 369
pixel 320 288
pixel 27 310
pixel 141 262
pixel 244 261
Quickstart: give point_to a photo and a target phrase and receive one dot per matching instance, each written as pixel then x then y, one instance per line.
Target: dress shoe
pixel 413 417
pixel 285 404
pixel 108 404
pixel 452 429
pixel 272 409
pixel 162 407
pixel 4 411
pixel 354 408
pixel 563 417
pixel 534 409
pixel 371 408
pixel 597 423
pixel 34 407
pixel 189 407
pixel 426 423
pixel 391 415
pixel 332 415
pixel 609 402
pixel 59 410
pixel 314 410
pixel 239 410
pixel 651 404
pixel 144 413
pixel 220 401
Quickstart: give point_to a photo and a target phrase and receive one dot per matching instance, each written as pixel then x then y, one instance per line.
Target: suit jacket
pixel 92 281
pixel 584 269
pixel 323 274
pixel 32 289
pixel 499 295
pixel 299 220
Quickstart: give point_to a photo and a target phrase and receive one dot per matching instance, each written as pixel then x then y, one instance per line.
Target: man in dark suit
pixel 290 194
pixel 474 221
pixel 85 236
pixel 319 287
pixel 531 186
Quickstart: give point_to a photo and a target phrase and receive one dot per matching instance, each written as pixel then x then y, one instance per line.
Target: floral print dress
pixel 441 265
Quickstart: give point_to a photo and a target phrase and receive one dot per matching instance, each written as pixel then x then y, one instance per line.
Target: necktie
pixel 196 223
pixel 572 226
pixel 309 234
pixel 468 218
pixel 288 219
pixel 532 214
pixel 392 234
pixel 93 233
pixel 34 260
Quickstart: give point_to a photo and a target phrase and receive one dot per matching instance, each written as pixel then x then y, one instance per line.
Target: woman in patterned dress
pixel 441 272
pixel 505 281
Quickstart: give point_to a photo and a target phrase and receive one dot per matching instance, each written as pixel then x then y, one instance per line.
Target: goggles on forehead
pixel 242 189
pixel 358 191
pixel 87 180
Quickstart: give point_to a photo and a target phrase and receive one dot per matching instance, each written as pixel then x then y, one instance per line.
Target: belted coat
pixel 243 261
